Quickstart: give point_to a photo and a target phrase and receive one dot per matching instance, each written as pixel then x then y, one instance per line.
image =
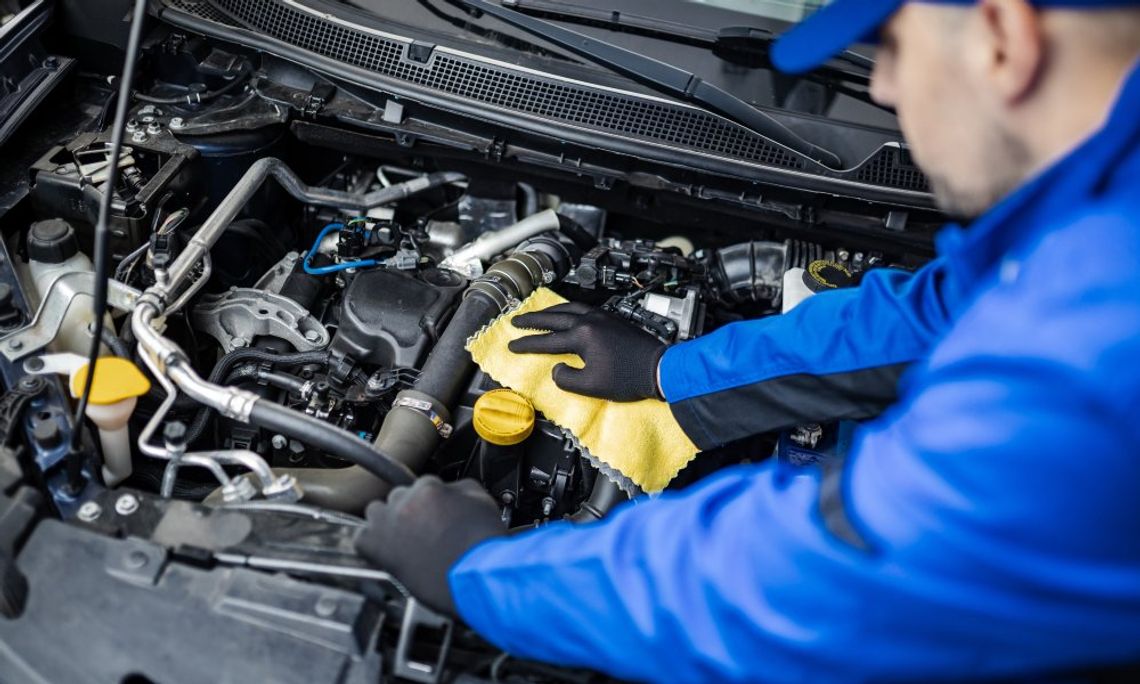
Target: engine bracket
pixel 235 318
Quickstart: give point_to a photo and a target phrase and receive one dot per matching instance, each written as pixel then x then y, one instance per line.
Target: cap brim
pixel 830 31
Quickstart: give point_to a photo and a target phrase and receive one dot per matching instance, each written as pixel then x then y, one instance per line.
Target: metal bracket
pixel 13 404
pixel 420 619
pixel 53 310
pixel 236 317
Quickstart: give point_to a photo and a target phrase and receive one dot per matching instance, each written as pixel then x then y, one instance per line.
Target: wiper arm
pixel 666 77
pixel 744 45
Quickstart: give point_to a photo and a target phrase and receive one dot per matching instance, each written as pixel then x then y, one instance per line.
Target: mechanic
pixel 987 523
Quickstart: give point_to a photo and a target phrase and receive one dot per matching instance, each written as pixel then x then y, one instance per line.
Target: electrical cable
pixel 193 98
pixel 335 268
pixel 102 258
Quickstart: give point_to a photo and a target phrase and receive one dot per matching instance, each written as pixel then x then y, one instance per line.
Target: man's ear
pixel 1015 42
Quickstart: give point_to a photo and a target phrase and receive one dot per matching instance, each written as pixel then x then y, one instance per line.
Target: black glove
pixel 422 530
pixel 621 359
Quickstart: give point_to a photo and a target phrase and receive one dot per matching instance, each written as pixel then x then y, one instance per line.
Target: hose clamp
pixel 426 409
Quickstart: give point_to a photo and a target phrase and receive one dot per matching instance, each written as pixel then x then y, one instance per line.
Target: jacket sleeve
pixel 837 355
pixel 998 501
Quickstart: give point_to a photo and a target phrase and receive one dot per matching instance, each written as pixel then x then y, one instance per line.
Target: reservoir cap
pixel 52 241
pixel 116 380
pixel 503 417
pixel 821 276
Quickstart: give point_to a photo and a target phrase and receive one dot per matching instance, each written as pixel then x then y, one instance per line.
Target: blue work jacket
pixel 986 524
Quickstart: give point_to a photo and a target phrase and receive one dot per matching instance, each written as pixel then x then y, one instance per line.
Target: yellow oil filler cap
pixel 116 380
pixel 503 417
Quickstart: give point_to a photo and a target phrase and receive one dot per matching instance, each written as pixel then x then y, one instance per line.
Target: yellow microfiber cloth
pixel 638 443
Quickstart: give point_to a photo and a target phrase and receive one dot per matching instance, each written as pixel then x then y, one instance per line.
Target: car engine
pixel 295 298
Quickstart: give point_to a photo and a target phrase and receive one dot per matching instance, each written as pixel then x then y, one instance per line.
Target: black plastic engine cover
pixel 390 318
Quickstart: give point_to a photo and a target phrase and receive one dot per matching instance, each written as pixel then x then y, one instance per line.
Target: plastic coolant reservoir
pixel 114 394
pixel 795 290
pixel 53 251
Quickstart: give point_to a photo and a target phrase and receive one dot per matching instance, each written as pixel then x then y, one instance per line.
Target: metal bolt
pixel 136 560
pixel 52 63
pixel 15 345
pixel 284 488
pixel 30 384
pixel 279 442
pixel 154 128
pixel 326 606
pixel 239 489
pixel 238 342
pixel 312 336
pixel 149 109
pixel 132 126
pixel 547 507
pixel 127 504
pixel 177 122
pixel 139 137
pixel 90 511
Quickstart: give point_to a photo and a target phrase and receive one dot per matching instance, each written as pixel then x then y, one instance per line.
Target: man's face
pixel 931 68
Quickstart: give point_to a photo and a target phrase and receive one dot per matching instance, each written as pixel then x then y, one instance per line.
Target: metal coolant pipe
pixel 468 261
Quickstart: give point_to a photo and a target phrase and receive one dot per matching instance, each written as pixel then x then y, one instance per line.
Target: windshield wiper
pixel 666 77
pixel 744 45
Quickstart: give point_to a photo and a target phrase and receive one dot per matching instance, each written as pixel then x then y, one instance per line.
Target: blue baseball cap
pixel 843 23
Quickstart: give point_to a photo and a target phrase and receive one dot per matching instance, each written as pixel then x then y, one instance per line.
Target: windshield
pixel 784 10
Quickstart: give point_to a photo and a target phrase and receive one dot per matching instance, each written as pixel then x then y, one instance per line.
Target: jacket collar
pixel 1081 176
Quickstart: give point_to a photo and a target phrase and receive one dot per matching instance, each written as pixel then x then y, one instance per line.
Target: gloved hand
pixel 620 359
pixel 422 530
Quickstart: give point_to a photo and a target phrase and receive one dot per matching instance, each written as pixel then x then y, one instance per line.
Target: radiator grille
pixel 548 98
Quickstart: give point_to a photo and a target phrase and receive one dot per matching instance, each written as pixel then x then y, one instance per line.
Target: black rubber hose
pixel 222 371
pixel 577 234
pixel 117 346
pixel 283 381
pixel 448 368
pixel 329 439
pixel 603 497
pixel 227 363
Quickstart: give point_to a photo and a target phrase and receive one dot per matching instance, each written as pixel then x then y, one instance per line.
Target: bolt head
pixel 136 560
pixel 326 607
pixel 177 122
pixel 312 336
pixel 284 488
pixel 15 345
pixel 127 504
pixel 89 511
pixel 279 442
pixel 154 128
pixel 139 137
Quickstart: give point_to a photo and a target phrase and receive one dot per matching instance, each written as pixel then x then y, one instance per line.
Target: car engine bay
pixel 295 298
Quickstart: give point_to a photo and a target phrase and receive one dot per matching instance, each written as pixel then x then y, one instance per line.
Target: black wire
pixel 102 258
pixel 239 79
